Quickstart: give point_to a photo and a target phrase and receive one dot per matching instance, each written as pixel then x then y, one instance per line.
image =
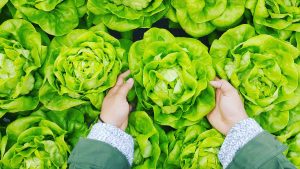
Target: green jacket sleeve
pixel 94 154
pixel 262 152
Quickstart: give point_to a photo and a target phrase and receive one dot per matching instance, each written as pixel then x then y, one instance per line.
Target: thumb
pixel 124 89
pixel 223 85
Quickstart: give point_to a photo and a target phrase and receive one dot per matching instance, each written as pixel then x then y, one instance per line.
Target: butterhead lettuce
pixel 80 68
pixel 33 142
pixel 263 69
pixel 172 76
pixel 276 18
pixel 21 55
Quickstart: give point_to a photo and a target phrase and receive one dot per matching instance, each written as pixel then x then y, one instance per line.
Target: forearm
pixel 106 146
pixel 237 137
pixel 114 137
pixel 247 145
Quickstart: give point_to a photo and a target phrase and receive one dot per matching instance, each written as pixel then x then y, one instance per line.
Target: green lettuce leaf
pixel 263 69
pixel 202 19
pixel 172 77
pixel 81 67
pixel 21 55
pixel 147 142
pixel 127 15
pixel 295 40
pixel 2 3
pixel 76 125
pixel 291 137
pixel 56 17
pixel 33 142
pixel 193 147
pixel 277 18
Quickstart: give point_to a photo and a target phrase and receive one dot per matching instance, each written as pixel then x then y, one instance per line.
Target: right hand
pixel 229 108
pixel 115 108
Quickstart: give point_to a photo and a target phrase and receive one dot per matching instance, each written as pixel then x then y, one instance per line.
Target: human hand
pixel 229 108
pixel 115 108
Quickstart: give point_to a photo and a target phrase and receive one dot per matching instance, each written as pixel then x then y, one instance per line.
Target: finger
pixel 122 77
pixel 119 82
pixel 213 116
pixel 218 95
pixel 223 85
pixel 124 89
pixel 113 90
pixel 217 91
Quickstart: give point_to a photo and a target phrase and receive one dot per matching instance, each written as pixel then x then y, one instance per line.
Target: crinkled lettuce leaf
pixel 201 17
pixel 56 17
pixel 34 142
pixel 276 18
pixel 21 55
pixel 74 121
pixel 193 147
pixel 147 140
pixel 127 15
pixel 291 137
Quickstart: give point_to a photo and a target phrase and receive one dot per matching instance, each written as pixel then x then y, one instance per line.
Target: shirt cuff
pixel 115 137
pixel 238 136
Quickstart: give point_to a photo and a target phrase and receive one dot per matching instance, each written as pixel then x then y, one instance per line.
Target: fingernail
pixel 130 81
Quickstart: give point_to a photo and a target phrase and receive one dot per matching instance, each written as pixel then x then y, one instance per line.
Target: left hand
pixel 115 107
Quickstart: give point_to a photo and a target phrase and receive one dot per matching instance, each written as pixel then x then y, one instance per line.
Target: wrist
pixel 232 123
pixel 100 119
pixel 107 120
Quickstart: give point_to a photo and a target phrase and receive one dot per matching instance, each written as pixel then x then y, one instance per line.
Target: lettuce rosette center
pixel 172 77
pixel 79 69
pixel 167 82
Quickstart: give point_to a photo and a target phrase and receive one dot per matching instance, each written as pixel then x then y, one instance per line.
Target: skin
pixel 115 108
pixel 229 108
